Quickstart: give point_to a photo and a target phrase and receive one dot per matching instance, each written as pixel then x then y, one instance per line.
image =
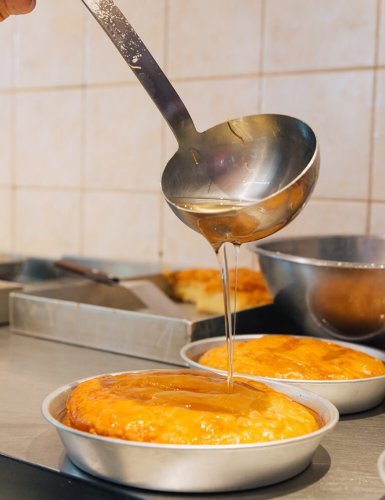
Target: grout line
pixel 13 123
pixel 166 44
pixel 338 200
pixel 73 189
pixel 272 74
pixel 373 123
pixel 15 54
pixel 282 73
pixel 13 212
pixel 262 41
pixel 81 187
pixel 83 124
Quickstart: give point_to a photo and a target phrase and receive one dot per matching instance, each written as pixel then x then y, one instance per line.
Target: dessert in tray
pixel 203 287
pixel 286 357
pixel 186 407
pixel 351 376
pixel 185 431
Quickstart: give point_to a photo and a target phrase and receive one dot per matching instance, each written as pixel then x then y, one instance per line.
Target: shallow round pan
pixel 191 468
pixel 349 396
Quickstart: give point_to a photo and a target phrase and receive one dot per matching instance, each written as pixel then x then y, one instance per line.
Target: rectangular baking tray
pixel 105 317
pixel 80 312
pixel 6 288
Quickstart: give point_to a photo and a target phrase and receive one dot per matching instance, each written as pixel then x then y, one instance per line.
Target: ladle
pixel 268 162
pixel 237 182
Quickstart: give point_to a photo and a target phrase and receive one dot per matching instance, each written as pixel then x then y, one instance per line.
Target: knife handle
pixel 86 271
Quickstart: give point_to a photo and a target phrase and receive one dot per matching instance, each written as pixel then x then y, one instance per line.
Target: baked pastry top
pixel 185 407
pixel 286 357
pixel 203 287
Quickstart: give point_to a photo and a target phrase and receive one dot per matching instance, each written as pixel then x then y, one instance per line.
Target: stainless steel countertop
pixel 344 466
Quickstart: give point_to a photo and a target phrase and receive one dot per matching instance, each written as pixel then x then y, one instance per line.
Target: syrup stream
pixel 229 308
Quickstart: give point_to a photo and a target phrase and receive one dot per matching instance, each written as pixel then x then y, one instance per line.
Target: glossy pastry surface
pixel 185 407
pixel 286 357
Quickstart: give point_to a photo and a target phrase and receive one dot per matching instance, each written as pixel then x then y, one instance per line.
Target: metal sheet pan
pixel 10 266
pixel 6 288
pixel 108 318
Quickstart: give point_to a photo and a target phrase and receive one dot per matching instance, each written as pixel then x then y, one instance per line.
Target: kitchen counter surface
pixel 33 464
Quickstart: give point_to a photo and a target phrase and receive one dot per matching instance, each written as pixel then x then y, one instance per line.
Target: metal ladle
pixel 271 160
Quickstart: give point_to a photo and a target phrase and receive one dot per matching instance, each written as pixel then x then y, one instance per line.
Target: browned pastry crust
pixel 203 287
pixel 286 357
pixel 185 407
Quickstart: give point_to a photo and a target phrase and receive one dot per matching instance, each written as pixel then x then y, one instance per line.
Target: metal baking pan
pixel 348 395
pixel 112 319
pixel 191 468
pixel 10 266
pixel 109 318
pixel 6 288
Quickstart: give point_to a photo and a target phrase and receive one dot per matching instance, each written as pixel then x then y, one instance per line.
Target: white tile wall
pixel 5 139
pixel 47 222
pixel 122 226
pixel 328 217
pixel 123 139
pixel 50 128
pixel 378 179
pixel 381 57
pixel 83 147
pixel 6 53
pixel 311 35
pixel 6 220
pixel 49 48
pixel 212 37
pixel 337 105
pixel 377 220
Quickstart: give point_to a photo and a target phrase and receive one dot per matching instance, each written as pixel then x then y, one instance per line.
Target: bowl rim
pixel 379 354
pixel 260 248
pixel 322 402
pixel 289 118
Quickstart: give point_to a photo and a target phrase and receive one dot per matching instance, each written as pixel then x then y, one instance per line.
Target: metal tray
pixel 57 307
pixel 110 318
pixel 10 266
pixel 6 288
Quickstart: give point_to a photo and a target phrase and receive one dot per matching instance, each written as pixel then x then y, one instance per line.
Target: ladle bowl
pixel 268 162
pixel 262 168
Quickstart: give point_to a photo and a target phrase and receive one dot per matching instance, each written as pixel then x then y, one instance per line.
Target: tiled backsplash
pixel 82 146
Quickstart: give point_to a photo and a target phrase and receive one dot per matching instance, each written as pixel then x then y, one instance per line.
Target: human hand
pixel 11 7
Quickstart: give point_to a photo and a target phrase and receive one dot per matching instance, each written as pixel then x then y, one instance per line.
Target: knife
pixel 153 298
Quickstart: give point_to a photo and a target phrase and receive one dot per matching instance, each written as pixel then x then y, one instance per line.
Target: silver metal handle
pixel 144 66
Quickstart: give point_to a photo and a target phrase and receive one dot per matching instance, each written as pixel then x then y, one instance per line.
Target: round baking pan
pixel 349 396
pixel 191 468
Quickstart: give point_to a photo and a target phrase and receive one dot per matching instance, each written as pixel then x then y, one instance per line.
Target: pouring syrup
pixel 227 224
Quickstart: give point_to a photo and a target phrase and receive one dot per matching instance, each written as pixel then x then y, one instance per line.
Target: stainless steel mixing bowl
pixel 192 468
pixel 331 286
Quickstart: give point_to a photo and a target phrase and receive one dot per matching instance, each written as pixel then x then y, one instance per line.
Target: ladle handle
pixel 144 66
